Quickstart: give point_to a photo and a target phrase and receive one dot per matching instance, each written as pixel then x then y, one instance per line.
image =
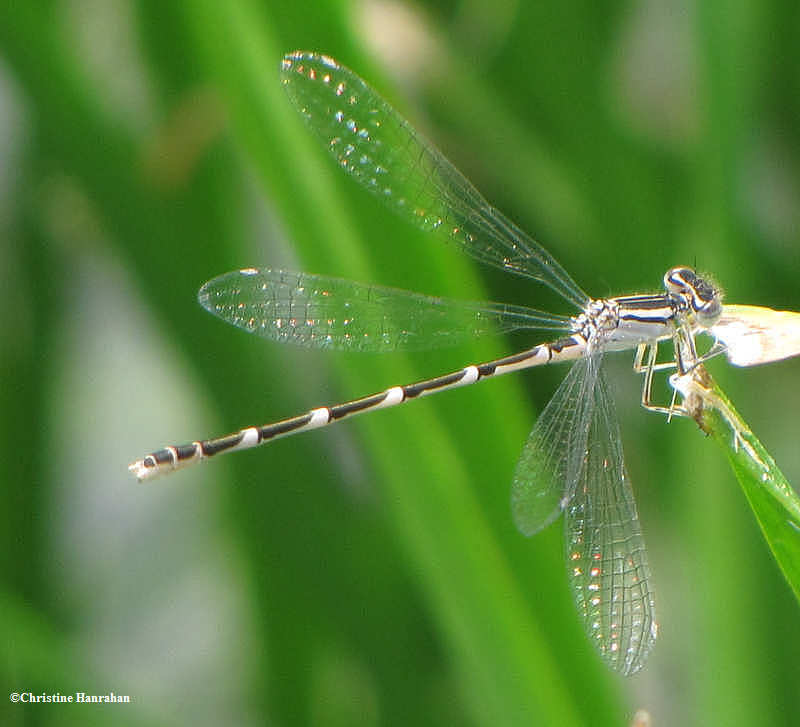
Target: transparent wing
pixel 316 311
pixel 552 459
pixel 375 145
pixel 606 555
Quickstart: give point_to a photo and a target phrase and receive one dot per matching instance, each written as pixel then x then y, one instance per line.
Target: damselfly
pixel 572 461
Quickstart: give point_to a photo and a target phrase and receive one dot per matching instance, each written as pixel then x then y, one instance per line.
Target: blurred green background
pixel 370 574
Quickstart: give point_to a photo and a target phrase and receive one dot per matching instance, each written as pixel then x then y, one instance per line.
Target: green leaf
pixel 773 500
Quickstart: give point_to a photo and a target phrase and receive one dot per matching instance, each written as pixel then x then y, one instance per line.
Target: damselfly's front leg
pixel 685 361
pixel 686 356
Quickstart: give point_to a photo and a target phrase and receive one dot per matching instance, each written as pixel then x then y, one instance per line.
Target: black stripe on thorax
pixel 644 302
pixel 662 315
pixel 647 308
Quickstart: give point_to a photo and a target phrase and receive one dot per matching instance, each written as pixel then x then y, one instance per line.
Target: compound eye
pixel 680 280
pixel 700 296
pixel 708 313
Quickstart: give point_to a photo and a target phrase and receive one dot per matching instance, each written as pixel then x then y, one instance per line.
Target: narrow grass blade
pixel 773 500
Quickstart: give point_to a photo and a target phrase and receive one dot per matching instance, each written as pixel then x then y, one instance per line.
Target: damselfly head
pixel 703 298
